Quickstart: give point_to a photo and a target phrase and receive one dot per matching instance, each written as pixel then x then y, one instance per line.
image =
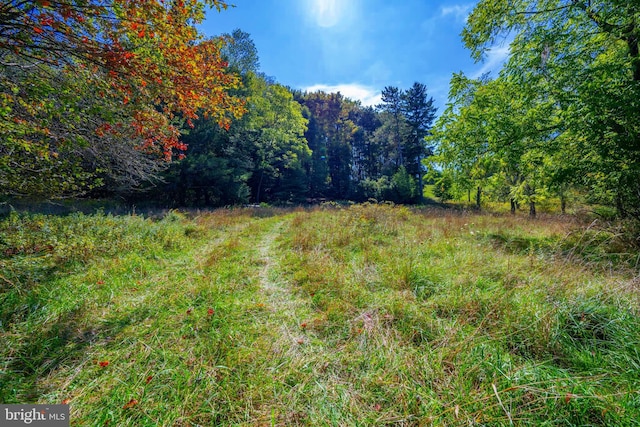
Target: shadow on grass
pixel 523 244
pixel 33 351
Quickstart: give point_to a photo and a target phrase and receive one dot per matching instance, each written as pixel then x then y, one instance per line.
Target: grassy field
pixel 366 315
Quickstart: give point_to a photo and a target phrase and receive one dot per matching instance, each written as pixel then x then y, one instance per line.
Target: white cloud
pixel 495 58
pixel 459 11
pixel 366 95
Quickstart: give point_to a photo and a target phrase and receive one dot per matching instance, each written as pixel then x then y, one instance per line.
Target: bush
pixel 403 187
pixel 443 188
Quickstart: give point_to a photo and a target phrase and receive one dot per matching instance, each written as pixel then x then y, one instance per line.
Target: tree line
pixel 128 99
pixel 297 147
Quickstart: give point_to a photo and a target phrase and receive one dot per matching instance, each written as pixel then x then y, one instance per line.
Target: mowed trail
pixel 268 276
pixel 284 306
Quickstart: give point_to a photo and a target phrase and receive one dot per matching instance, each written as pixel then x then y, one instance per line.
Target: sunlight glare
pixel 327 13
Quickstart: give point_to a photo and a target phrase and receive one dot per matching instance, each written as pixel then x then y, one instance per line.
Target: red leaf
pixel 104 363
pixel 149 378
pixel 130 404
pixel 46 21
pixel 66 12
pixel 210 312
pixel 66 401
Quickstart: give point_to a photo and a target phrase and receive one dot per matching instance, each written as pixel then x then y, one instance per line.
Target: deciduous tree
pixel 143 64
pixel 583 55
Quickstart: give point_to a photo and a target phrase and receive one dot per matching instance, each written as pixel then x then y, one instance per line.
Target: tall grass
pixel 363 315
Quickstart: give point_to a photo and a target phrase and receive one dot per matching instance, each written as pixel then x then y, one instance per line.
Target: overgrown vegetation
pixel 363 315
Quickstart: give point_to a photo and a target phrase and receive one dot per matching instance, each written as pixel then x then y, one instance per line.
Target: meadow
pixel 347 316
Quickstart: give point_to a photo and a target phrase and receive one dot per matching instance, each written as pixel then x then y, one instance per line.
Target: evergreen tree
pixel 392 104
pixel 419 113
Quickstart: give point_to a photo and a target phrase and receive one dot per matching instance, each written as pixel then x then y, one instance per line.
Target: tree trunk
pixel 478 196
pixel 259 188
pixel 622 213
pixel 513 206
pixel 469 195
pixel 531 192
pixel 420 183
pixel 563 204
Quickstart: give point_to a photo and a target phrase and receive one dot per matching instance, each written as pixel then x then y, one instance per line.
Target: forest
pixel 129 101
pixel 113 115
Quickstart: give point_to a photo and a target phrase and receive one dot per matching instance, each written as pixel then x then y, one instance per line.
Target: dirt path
pixel 267 250
pixel 285 307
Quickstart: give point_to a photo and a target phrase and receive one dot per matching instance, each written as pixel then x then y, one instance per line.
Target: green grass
pixel 365 315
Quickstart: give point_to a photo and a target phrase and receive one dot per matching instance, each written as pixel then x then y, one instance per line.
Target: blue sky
pixel 357 46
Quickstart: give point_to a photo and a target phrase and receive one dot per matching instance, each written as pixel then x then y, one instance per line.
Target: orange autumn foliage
pixel 147 54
